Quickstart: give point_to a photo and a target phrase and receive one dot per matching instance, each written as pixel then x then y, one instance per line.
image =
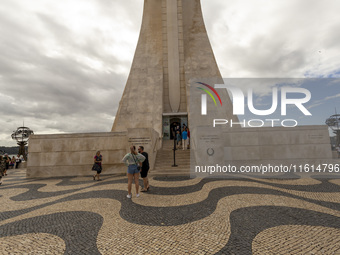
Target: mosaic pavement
pixel 178 216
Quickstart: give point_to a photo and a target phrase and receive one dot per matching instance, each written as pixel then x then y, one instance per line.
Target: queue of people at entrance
pixel 181 136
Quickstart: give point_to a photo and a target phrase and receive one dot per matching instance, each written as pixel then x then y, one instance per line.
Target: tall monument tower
pixel 174 54
pixel 173 49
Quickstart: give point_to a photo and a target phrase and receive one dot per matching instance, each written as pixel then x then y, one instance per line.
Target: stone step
pixel 180 167
pixel 177 151
pixel 170 153
pixel 170 173
pixel 164 161
pixel 169 167
pixel 172 158
pixel 171 162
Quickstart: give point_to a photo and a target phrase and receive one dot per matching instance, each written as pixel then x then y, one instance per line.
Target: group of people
pixel 7 162
pixel 136 162
pixel 182 136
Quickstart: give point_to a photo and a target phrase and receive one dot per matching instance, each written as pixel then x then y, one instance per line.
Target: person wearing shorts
pixel 132 160
pixel 145 169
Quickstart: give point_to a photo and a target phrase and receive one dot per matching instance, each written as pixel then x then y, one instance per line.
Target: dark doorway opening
pixel 173 123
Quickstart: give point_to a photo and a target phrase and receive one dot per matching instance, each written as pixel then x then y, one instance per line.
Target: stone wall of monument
pixel 72 154
pixel 141 104
pixel 179 58
pixel 256 146
pixel 200 63
pixel 279 144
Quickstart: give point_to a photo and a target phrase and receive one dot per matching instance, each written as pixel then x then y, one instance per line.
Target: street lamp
pixel 21 135
pixel 334 123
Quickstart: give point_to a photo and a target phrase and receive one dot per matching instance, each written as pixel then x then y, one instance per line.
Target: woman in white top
pixel 132 161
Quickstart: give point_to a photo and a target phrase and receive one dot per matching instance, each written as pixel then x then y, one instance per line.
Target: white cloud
pixel 331 97
pixel 63 62
pixel 284 38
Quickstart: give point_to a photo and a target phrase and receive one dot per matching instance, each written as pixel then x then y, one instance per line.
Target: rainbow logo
pixel 209 93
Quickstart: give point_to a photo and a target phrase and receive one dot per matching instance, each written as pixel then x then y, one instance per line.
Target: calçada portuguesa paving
pixel 179 215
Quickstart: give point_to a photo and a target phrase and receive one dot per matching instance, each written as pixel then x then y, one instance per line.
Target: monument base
pixel 294 147
pixel 72 154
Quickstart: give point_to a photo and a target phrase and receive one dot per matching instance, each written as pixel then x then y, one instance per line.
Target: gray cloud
pixel 56 92
pixel 64 64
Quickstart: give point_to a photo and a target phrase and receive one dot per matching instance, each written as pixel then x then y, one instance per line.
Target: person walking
pixel 145 169
pixel 184 139
pixel 6 158
pixel 97 166
pixel 132 161
pixel 2 168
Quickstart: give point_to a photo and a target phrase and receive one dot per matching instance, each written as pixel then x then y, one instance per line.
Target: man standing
pixel 188 133
pixel 184 139
pixel 17 161
pixel 145 169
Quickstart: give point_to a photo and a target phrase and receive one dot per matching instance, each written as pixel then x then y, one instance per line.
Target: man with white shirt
pixel 17 161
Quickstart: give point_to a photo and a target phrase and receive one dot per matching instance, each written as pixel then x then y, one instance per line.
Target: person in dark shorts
pixel 97 166
pixel 145 169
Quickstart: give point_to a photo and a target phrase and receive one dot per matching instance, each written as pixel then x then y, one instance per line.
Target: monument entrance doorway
pixel 170 121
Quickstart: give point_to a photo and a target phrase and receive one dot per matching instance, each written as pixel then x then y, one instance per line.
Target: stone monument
pixel 173 50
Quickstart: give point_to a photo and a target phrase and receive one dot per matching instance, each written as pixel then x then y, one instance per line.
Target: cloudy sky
pixel 64 64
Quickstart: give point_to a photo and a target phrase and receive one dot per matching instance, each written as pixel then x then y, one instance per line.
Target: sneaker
pixel 129 196
pixel 137 195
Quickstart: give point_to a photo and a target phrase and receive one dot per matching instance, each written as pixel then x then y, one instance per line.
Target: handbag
pixel 138 167
pixel 96 167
